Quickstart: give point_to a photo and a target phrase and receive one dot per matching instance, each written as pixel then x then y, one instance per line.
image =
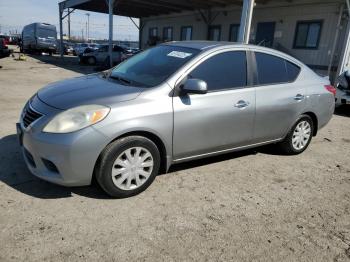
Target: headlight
pixel 76 118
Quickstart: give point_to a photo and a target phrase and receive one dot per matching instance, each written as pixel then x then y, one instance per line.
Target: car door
pixel 280 99
pixel 223 118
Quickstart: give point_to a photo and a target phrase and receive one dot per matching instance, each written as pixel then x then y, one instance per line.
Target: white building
pixel 314 31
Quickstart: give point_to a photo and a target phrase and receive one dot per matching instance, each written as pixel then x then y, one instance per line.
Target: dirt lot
pixel 248 206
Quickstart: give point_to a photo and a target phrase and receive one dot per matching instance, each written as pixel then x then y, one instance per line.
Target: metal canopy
pixel 146 8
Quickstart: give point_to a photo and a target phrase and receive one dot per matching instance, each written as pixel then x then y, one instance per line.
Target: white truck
pixel 39 37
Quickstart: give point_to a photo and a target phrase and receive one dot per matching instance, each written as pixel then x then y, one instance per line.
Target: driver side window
pixel 223 71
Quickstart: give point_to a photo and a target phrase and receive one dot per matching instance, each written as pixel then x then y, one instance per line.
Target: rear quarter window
pixel 292 70
pixel 274 70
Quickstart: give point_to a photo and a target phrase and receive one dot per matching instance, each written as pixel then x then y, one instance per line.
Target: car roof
pixel 208 45
pixel 202 45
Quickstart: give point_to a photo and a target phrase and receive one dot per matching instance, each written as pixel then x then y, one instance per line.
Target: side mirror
pixel 194 86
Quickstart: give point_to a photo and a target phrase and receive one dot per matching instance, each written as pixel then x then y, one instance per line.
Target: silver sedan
pixel 173 103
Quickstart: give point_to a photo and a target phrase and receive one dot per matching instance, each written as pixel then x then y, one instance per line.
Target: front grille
pixel 29 116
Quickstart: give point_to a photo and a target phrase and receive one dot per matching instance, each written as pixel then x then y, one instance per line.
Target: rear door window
pixel 223 71
pixel 274 70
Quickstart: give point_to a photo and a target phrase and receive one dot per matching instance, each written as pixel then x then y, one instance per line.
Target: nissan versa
pixel 172 103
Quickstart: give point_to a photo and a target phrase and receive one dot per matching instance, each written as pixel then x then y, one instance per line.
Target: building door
pixel 265 34
pixel 215 33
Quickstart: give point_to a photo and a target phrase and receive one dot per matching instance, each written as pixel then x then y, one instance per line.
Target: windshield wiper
pixel 121 79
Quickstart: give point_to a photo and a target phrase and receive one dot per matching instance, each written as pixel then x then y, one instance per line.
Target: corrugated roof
pixel 145 8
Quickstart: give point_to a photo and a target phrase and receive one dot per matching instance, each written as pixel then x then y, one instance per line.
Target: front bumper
pixel 64 159
pixel 46 46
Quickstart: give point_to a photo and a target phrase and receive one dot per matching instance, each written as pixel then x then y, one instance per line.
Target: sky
pixel 14 14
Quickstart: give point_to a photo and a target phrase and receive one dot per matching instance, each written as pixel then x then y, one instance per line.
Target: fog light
pixel 50 166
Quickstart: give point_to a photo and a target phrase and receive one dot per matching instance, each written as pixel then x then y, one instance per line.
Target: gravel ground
pixel 248 206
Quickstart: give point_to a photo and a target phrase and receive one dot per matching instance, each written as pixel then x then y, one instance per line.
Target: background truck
pixel 39 37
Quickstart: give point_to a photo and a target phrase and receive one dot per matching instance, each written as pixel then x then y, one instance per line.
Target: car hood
pixel 91 89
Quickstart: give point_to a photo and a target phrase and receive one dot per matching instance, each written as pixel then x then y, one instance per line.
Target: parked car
pixel 80 48
pixel 101 55
pixel 6 39
pixel 39 37
pixel 169 104
pixel 4 50
pixel 343 90
pixel 14 39
pixel 68 48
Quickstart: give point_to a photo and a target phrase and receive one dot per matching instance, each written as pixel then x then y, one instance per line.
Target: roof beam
pixel 160 4
pixel 71 3
pixel 145 8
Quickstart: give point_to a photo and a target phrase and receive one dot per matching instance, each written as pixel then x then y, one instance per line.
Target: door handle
pixel 299 97
pixel 241 104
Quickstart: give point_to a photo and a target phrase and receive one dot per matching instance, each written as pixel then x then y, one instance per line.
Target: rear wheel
pixel 299 137
pixel 128 166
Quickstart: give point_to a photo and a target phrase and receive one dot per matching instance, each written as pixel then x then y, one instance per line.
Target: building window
pixel 167 34
pixel 307 34
pixel 215 32
pixel 234 32
pixel 153 32
pixel 186 33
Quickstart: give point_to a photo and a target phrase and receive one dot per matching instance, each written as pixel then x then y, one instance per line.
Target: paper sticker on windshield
pixel 179 54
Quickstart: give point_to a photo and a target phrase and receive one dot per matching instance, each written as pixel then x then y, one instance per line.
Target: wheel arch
pixel 314 121
pixel 164 164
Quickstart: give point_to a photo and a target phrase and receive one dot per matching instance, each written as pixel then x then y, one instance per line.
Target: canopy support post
pixel 246 21
pixel 110 40
pixel 60 8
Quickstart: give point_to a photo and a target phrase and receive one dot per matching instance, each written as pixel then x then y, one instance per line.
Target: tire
pixel 289 146
pixel 91 60
pixel 114 158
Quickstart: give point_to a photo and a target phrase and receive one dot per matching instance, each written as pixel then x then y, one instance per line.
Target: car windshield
pixel 46 33
pixel 153 66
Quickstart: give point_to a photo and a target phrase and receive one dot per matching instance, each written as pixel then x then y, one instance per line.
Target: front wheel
pixel 128 166
pixel 299 137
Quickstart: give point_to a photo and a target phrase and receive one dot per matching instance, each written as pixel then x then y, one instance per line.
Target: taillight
pixel 331 89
